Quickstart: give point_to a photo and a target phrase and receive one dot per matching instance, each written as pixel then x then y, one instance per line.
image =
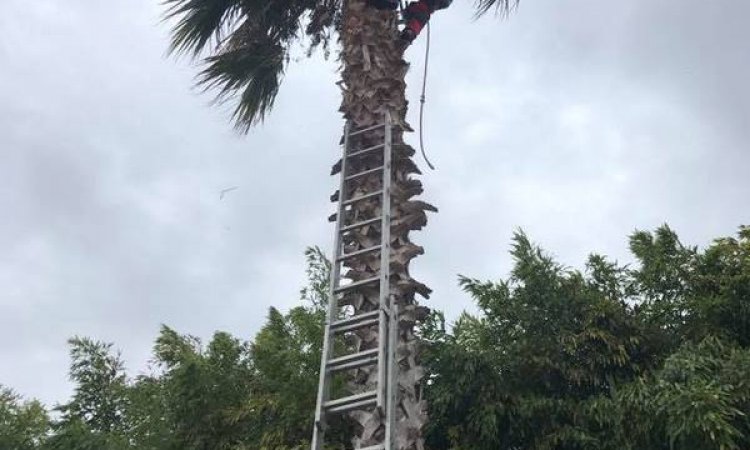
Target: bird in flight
pixel 225 191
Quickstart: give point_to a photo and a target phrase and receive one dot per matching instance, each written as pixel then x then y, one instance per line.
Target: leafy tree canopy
pixel 23 425
pixel 652 356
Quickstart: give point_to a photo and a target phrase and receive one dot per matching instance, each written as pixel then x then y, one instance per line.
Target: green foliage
pixel 147 414
pixel 699 399
pixel 519 376
pixel 719 290
pixel 99 377
pixel 502 7
pixel 240 395
pixel 286 353
pixel 248 43
pixel 225 395
pixel 318 275
pixel 94 417
pixel 23 424
pixel 205 390
pixel 652 357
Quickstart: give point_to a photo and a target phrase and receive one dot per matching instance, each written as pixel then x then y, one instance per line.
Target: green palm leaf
pixel 502 7
pixel 199 21
pixel 251 68
pixel 244 46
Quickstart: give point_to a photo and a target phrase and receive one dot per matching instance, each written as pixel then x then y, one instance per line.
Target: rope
pixel 422 99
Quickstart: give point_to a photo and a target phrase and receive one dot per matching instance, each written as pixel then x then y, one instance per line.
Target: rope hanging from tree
pixel 423 98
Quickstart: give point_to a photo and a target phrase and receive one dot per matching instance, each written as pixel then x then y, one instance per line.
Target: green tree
pixel 207 390
pixel 650 357
pixel 95 416
pixel 147 415
pixel 24 425
pixel 556 359
pixel 287 354
pixel 241 395
pixel 520 375
pixel 227 395
pixel 699 399
pixel 719 289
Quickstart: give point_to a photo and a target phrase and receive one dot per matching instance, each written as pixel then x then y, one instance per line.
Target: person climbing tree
pixel 416 14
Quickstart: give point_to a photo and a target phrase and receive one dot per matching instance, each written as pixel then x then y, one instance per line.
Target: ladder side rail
pixel 392 388
pixel 328 344
pixel 385 262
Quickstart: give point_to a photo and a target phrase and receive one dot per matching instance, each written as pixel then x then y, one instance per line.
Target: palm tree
pixel 245 46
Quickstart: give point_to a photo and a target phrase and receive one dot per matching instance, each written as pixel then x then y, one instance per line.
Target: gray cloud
pixel 578 121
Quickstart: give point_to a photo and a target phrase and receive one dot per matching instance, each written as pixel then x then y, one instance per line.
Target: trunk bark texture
pixel 373 81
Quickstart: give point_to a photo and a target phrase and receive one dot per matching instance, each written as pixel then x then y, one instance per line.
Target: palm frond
pixel 323 21
pixel 501 7
pixel 245 44
pixel 251 65
pixel 200 21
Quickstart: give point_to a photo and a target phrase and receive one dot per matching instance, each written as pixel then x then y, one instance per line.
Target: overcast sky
pixel 578 121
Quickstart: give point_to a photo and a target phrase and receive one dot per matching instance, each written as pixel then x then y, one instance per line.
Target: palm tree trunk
pixel 373 82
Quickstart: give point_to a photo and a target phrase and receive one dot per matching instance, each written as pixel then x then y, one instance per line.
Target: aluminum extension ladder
pixel 383 356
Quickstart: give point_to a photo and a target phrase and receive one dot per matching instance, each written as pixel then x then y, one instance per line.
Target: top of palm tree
pixel 244 45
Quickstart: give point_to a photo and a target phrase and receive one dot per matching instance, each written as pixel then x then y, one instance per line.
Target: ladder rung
pixel 354 226
pixel 353 361
pixel 364 251
pixel 364 172
pixel 356 322
pixel 364 150
pixel 353 356
pixel 363 197
pixel 357 326
pixel 356 284
pixel 351 402
pixel 363 130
